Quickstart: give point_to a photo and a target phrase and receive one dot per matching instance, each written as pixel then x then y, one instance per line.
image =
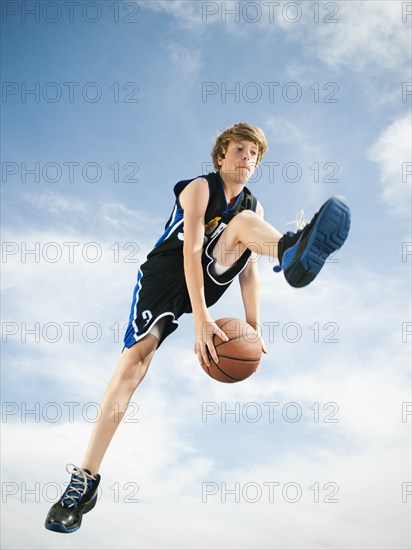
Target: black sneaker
pixel 303 254
pixel 79 498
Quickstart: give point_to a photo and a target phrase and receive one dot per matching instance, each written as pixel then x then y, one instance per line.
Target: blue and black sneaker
pixel 303 254
pixel 79 498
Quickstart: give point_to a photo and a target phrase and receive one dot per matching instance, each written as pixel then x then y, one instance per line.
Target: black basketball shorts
pixel 161 291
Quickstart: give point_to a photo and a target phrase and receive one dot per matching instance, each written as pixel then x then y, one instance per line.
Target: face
pixel 239 162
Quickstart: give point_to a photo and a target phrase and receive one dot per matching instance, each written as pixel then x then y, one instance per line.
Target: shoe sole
pixel 327 235
pixel 60 528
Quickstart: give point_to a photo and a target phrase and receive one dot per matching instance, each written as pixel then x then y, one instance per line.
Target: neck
pixel 231 188
pixel 232 185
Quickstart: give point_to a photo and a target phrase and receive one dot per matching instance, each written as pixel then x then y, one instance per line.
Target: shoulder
pixel 182 184
pixel 195 194
pixel 205 185
pixel 208 179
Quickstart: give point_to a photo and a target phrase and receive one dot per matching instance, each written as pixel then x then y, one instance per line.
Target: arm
pixel 250 288
pixel 194 199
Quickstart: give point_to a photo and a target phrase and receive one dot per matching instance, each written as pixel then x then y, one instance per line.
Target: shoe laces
pixel 299 221
pixel 78 485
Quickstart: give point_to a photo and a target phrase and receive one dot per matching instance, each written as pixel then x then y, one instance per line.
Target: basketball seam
pixel 239 359
pixel 238 338
pixel 225 373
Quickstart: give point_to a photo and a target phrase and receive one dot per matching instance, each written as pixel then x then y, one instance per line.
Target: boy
pixel 215 227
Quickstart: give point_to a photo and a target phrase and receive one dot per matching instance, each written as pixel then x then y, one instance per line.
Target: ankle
pixel 93 471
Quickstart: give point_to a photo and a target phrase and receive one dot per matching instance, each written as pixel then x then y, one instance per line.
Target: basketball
pixel 239 357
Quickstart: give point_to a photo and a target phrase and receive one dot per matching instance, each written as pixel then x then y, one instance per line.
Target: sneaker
pixel 79 498
pixel 303 254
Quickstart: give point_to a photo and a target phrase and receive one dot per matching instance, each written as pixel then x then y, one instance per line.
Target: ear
pixel 221 158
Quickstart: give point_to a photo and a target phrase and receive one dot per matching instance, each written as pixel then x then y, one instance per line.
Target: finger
pixel 222 335
pixel 212 351
pixel 204 358
pixel 199 357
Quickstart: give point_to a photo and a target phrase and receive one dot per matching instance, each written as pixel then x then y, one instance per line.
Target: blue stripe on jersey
pixel 133 309
pixel 175 222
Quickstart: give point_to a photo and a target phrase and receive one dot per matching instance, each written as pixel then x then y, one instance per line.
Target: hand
pixel 256 327
pixel 205 329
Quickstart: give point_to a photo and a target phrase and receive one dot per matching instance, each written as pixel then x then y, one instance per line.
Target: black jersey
pixel 217 215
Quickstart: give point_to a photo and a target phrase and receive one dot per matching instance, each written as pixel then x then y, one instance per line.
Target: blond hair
pixel 238 132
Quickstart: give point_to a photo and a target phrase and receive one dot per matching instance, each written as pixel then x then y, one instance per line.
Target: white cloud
pixel 186 15
pixel 184 60
pixel 357 36
pixel 284 131
pixel 392 152
pixel 169 455
pixel 361 37
pixel 121 217
pixel 54 203
pixel 368 41
pixel 78 215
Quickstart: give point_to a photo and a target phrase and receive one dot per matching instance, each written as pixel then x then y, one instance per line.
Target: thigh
pixel 226 247
pixel 215 285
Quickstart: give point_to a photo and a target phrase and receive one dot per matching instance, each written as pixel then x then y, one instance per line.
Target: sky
pixel 105 106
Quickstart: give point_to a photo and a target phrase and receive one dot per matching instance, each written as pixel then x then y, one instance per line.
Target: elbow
pixel 249 272
pixel 190 255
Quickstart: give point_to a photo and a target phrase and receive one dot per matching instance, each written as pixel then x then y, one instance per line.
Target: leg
pixel 80 496
pixel 129 372
pixel 246 230
pixel 301 255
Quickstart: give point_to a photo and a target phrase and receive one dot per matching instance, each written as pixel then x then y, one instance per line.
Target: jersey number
pixel 147 315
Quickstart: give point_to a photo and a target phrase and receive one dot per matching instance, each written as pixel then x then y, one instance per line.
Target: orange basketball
pixel 239 357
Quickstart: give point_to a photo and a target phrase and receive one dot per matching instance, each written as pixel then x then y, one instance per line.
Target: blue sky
pixel 350 121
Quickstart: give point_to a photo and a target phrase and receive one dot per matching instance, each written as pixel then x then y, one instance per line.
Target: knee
pixel 131 374
pixel 132 367
pixel 246 216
